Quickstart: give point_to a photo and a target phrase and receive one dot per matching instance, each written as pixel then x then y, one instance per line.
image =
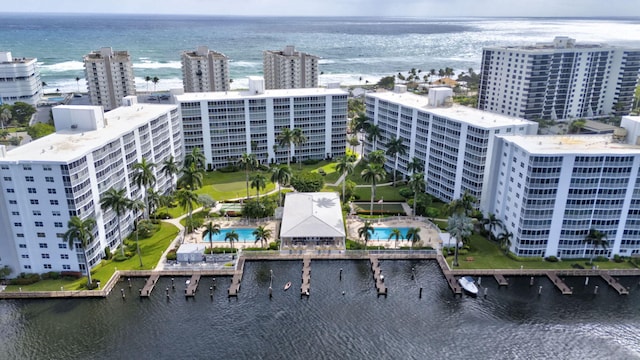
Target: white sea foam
pixel 157 65
pixel 63 66
pixel 245 64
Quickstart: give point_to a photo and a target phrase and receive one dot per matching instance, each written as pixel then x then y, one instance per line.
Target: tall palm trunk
pixel 246 176
pixel 86 265
pixel 120 237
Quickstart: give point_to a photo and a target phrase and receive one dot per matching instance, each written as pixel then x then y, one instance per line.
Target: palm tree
pixel 262 234
pixel 155 82
pixel 78 83
pixel 282 176
pixel 191 177
pixel 373 134
pixel 345 167
pixel 372 173
pixel 298 138
pixel 459 227
pixel 144 178
pixel 417 185
pixel 285 138
pixel 396 148
pixel 81 231
pixel 135 206
pixel 505 240
pixel 196 157
pixel 413 235
pixel 492 222
pixel 259 182
pixel 598 239
pixel 415 165
pixel 170 167
pixel 231 236
pixel 249 162
pixel 154 200
pixel 376 157
pixel 147 79
pixel 186 199
pixel 366 231
pixel 5 116
pixel 211 230
pixel 395 233
pixel 464 205
pixel 117 201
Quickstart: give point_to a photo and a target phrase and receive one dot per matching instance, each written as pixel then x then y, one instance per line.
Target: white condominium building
pixel 453 142
pixel 47 181
pixel 227 124
pixel 290 69
pixel 549 191
pixel 19 80
pixel 204 70
pixel 109 77
pixel 558 80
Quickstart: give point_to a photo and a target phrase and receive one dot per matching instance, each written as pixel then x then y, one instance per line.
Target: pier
pixel 191 289
pixel 448 274
pixel 564 289
pixel 501 280
pixel 615 284
pixel 381 288
pixel 306 276
pixel 234 288
pixel 149 285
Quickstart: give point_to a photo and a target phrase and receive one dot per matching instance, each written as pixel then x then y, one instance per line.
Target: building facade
pixel 558 80
pixel 109 77
pixel 47 181
pixel 204 70
pixel 290 69
pixel 19 80
pixel 227 124
pixel 549 191
pixel 453 142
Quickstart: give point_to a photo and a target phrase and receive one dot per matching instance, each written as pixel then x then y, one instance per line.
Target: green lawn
pixel 355 175
pixel 329 168
pixel 222 186
pixel 151 250
pixel 387 193
pixel 487 255
pixel 389 208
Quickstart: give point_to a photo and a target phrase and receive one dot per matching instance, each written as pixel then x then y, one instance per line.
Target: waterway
pixel 342 319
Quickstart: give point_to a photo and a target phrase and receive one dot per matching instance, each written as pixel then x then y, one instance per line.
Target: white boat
pixel 468 284
pixel 287 286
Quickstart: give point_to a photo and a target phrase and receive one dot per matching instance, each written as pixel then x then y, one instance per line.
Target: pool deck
pixel 232 223
pixel 428 235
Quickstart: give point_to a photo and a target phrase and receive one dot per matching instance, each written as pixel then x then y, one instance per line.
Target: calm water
pixel 383 233
pixel 511 323
pixel 351 48
pixel 244 234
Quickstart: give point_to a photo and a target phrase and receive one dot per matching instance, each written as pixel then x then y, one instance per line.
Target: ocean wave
pixel 246 64
pixel 62 66
pixel 157 65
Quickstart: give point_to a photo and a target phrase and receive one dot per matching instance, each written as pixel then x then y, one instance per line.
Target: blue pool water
pixel 383 233
pixel 55 99
pixel 244 234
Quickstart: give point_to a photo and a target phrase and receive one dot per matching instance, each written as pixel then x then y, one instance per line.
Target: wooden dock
pixel 501 280
pixel 306 276
pixel 149 285
pixel 615 284
pixel 451 279
pixel 193 285
pixel 564 289
pixel 234 288
pixel 381 288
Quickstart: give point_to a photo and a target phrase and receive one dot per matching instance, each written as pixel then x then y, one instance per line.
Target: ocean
pixel 353 50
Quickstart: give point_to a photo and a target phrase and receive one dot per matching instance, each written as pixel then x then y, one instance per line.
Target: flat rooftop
pixel 460 113
pixel 68 145
pixel 571 144
pixel 276 93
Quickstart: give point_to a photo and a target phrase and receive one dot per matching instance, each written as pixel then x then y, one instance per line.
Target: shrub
pixel 463 251
pixel 601 259
pixel 119 257
pixel 307 182
pixel 107 253
pixel 93 285
pixel 405 193
pixel 551 259
pixel 274 245
pixel 322 172
pixel 53 275
pixel 163 215
pixel 25 279
pixel 228 169
pixel 617 258
pixel 172 255
pixel 71 274
pixel 432 212
pixel 310 161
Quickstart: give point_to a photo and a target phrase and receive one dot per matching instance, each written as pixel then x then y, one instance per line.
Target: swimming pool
pixel 244 234
pixel 383 233
pixel 56 99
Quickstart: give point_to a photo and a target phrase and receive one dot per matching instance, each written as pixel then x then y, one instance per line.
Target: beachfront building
pixel 312 219
pixel 227 124
pixel 453 142
pixel 19 80
pixel 289 69
pixel 47 181
pixel 109 77
pixel 549 191
pixel 205 70
pixel 558 80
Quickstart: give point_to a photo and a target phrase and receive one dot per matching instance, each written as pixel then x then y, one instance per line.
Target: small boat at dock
pixel 468 284
pixel 287 286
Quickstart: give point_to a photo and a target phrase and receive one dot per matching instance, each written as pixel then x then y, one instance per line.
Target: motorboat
pixel 468 284
pixel 287 286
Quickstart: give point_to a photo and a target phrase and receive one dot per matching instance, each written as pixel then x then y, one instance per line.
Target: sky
pixel 411 8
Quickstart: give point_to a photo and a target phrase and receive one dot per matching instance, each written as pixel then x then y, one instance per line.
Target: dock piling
pixel 586 281
pixel 539 290
pixel 420 295
pixel 595 290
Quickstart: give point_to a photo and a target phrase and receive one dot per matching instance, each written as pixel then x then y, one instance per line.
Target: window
pixel 62 246
pixel 47 266
pixel 28 267
pixel 57 224
pixel 48 178
pixel 24 256
pixel 26 167
pixel 60 235
pixel 41 235
pixel 64 256
pixel 36 213
pixel 7 178
pixel 39 224
pixel 13 202
pixel 34 201
pixel 20 235
pixel 15 213
pixel 28 178
pixel 43 245
pixel 22 246
pixel 53 202
pixel 55 213
pixel 46 168
pixel 66 267
pixel 51 191
pixel 32 190
pixel 10 191
pixel 45 256
pixel 17 224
